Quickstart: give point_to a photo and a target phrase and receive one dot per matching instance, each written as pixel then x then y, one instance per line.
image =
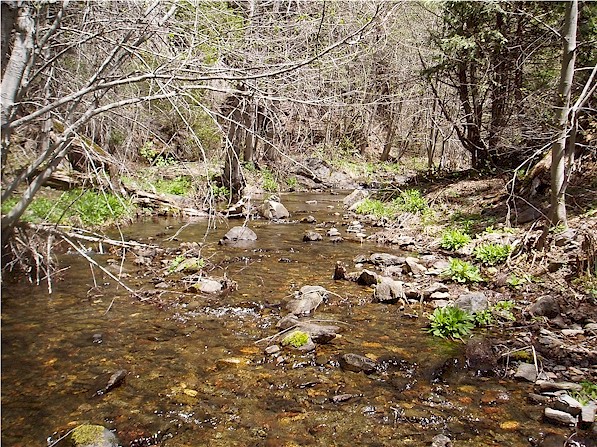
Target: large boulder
pixel 238 235
pixel 88 435
pixel 272 209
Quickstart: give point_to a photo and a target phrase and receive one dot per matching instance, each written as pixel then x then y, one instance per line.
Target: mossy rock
pixel 89 435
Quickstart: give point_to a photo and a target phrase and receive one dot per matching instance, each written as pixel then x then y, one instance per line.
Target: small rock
pixel 569 332
pixel 386 259
pixel 441 441
pixel 526 371
pixel 439 296
pixel 357 363
pixel 306 300
pixel 354 197
pixel 435 287
pixel 238 234
pixel 336 239
pixel 312 236
pixel 412 265
pixel 273 349
pixel 367 278
pixel 587 415
pixel 343 398
pixel 560 417
pixel 568 404
pixel 273 210
pixel 539 398
pixel 545 306
pixel 308 219
pixel 332 232
pixel 388 291
pixel 472 302
pixel 545 385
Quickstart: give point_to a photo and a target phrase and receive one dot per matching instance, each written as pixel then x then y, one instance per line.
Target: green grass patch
pixel 269 182
pixel 296 339
pixel 76 207
pixel 412 201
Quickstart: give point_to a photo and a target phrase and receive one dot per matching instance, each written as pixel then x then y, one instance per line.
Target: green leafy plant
pixel 178 186
pixel 175 263
pixel 484 317
pixel 376 208
pixel 453 239
pixel 219 192
pixel 587 393
pixel 491 253
pixel 450 322
pixel 296 339
pixel 503 309
pixel 462 271
pixel 269 182
pixel 292 182
pixel 412 201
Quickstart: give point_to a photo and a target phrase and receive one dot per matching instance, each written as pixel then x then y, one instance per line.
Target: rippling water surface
pixel 196 373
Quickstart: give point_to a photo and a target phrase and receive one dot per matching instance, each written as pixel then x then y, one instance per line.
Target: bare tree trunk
pixel 12 76
pixel 558 150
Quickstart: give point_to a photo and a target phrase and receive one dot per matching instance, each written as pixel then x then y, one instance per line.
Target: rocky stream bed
pixel 299 328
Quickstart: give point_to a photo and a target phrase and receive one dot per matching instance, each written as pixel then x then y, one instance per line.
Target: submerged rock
pixel 480 355
pixel 357 363
pixel 441 441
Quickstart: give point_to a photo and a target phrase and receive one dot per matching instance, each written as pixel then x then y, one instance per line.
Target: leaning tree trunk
pixel 12 76
pixel 558 150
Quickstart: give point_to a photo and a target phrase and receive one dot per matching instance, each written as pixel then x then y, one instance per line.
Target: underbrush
pixel 75 207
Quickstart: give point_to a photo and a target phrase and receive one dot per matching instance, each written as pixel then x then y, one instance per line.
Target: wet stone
pixel 441 441
pixel 545 306
pixel 526 371
pixel 568 404
pixel 357 363
pixel 312 236
pixel 472 302
pixel 386 259
pixel 560 417
pixel 273 349
pixel 367 278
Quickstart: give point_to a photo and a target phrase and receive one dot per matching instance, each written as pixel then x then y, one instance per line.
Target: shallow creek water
pixel 196 373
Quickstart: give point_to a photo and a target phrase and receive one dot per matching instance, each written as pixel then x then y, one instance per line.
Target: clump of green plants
pixel 154 157
pixel 503 309
pixel 219 193
pixel 296 339
pixel 450 322
pixel 462 271
pixel 93 208
pixel 178 186
pixel 269 182
pixel 376 208
pixel 453 239
pixel 587 393
pixel 411 201
pixel 175 263
pixel 484 317
pixel 292 182
pixel 491 253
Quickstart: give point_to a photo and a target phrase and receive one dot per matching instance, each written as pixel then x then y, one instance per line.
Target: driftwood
pixel 179 203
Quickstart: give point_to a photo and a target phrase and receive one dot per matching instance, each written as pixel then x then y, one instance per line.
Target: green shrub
pixel 450 322
pixel 484 317
pixel 296 339
pixel 292 182
pixel 178 186
pixel 269 182
pixel 411 201
pixel 376 208
pixel 462 271
pixel 219 193
pixel 453 239
pixel 491 253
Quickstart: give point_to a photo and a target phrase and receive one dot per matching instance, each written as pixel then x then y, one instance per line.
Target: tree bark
pixel 558 150
pixel 12 76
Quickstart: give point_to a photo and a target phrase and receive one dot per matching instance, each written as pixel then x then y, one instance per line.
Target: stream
pixel 197 376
